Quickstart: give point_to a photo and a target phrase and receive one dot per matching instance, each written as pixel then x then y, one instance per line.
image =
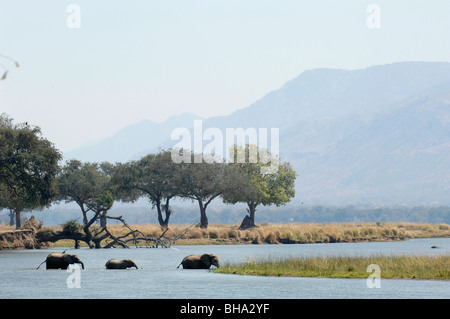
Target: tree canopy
pixel 205 181
pixel 260 188
pixel 88 185
pixel 28 166
pixel 154 176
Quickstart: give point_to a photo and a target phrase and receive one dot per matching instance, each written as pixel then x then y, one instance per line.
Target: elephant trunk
pixel 82 265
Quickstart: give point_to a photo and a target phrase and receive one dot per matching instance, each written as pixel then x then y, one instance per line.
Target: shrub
pixel 234 233
pixel 72 227
pixel 368 231
pixel 271 238
pixel 213 234
pixel 195 234
pixel 45 231
pixel 386 232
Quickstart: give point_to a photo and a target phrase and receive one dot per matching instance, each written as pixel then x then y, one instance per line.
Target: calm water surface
pixel 158 277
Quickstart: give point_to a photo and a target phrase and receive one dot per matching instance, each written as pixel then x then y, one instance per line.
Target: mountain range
pixel 132 141
pixel 379 135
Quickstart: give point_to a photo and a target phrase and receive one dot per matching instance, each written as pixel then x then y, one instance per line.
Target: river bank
pixel 297 233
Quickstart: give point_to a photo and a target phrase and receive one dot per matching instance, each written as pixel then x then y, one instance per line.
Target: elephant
pixel 120 264
pixel 200 262
pixel 61 261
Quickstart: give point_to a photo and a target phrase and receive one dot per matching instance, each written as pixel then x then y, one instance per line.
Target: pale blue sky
pixel 135 60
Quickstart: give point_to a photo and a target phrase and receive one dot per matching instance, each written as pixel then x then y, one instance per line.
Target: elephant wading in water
pixel 120 264
pixel 200 262
pixel 61 261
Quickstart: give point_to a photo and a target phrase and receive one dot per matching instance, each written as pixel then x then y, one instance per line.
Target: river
pixel 158 276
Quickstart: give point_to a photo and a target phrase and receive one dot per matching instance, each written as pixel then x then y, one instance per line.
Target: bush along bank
pixel 312 233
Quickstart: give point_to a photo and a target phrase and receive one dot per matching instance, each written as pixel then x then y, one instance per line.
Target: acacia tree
pixel 260 188
pixel 88 185
pixel 16 205
pixel 104 201
pixel 28 166
pixel 154 176
pixel 205 181
pixel 100 206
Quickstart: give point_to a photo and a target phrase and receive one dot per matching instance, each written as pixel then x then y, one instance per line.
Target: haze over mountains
pixel 133 141
pixel 379 135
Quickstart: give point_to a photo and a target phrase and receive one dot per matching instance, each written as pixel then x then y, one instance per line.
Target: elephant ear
pixel 205 258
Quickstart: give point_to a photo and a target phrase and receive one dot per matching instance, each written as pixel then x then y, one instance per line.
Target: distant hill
pixel 132 141
pixel 399 156
pixel 378 136
pixel 332 93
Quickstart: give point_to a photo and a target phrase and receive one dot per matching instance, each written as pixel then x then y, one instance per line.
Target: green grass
pixel 401 267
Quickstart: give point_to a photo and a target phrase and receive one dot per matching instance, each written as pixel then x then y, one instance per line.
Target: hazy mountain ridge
pixel 337 93
pixel 379 135
pixel 132 141
pixel 400 156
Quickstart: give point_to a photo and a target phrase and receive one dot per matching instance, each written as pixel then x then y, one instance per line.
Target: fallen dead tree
pixel 136 237
pixel 104 238
pixel 150 241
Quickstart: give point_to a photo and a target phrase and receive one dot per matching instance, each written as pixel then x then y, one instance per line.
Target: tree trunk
pixel 18 224
pixel 167 212
pixel 249 220
pixel 86 226
pixel 103 219
pixel 161 221
pixel 203 217
pixel 97 243
pixel 12 216
pixel 251 211
pixel 88 234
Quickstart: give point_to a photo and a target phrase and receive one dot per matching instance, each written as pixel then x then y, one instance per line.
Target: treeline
pixel 232 215
pixel 323 214
pixel 350 214
pixel 31 177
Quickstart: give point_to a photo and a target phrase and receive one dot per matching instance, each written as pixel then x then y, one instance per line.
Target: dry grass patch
pixel 285 233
